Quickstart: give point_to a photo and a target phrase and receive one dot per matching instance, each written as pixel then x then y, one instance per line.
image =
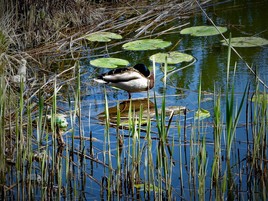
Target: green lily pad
pixel 146 44
pixel 127 123
pixel 260 98
pixel 141 187
pixel 102 36
pixel 60 120
pixel 202 114
pixel 203 30
pixel 246 42
pixel 109 62
pixel 169 68
pixel 172 57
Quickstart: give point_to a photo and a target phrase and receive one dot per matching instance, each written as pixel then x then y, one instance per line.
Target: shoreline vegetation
pixel 46 26
pixel 45 32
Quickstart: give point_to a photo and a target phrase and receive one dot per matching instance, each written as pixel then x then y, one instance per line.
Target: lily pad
pixel 246 42
pixel 172 57
pixel 260 98
pixel 176 110
pixel 203 30
pixel 202 114
pixel 127 123
pixel 60 120
pixel 169 68
pixel 109 62
pixel 102 36
pixel 146 44
pixel 148 187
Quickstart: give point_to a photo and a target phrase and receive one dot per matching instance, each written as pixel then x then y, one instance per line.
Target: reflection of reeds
pixel 202 158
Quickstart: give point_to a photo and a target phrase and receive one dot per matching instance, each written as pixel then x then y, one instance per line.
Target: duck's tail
pixel 99 80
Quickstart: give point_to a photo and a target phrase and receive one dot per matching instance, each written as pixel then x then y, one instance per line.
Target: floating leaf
pixel 202 114
pixel 260 98
pixel 176 110
pixel 146 44
pixel 60 120
pixel 109 62
pixel 203 30
pixel 246 42
pixel 141 187
pixel 169 68
pixel 127 123
pixel 102 36
pixel 172 57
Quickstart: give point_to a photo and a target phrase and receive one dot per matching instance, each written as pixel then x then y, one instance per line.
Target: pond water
pixel 243 18
pixel 93 171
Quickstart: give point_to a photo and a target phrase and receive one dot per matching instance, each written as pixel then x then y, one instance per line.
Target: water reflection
pixel 138 108
pixel 122 109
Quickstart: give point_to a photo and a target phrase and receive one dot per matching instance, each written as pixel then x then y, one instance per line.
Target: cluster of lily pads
pixel 173 57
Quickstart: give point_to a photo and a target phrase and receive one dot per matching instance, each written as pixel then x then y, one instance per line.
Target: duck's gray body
pixel 133 79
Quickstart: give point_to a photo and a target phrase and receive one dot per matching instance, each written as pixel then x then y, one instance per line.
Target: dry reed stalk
pixel 144 19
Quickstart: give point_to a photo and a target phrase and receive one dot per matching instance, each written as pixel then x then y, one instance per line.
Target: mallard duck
pixel 132 79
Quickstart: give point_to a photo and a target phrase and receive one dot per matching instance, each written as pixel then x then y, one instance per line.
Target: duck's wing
pixel 121 75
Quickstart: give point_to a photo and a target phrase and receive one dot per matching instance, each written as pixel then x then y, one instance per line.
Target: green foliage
pixel 102 36
pixel 204 30
pixel 259 98
pixel 201 114
pixel 171 57
pixel 109 62
pixel 146 44
pixel 232 117
pixel 246 42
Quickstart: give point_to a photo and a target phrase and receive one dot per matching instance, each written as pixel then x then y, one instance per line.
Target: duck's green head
pixel 142 69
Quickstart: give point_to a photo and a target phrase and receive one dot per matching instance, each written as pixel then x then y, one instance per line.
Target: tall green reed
pixel 107 146
pixel 232 117
pixel 258 156
pixel 119 147
pixel 217 135
pixel 149 164
pixel 202 158
pixel 164 171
